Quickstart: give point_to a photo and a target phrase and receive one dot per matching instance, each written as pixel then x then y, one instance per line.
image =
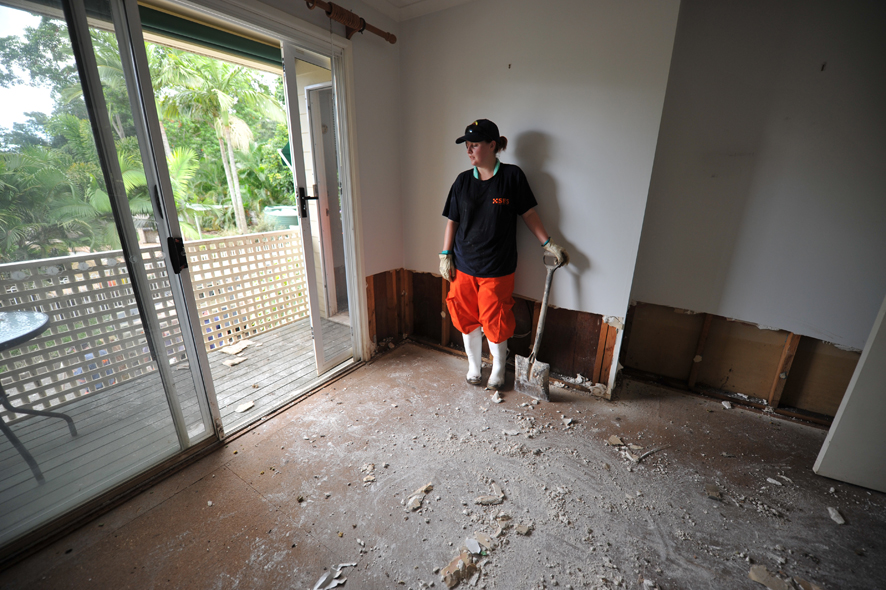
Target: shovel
pixel 532 377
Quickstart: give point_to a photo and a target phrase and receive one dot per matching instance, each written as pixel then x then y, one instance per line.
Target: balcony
pixel 93 362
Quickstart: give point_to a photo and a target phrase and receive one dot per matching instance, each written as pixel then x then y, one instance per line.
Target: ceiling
pixel 401 10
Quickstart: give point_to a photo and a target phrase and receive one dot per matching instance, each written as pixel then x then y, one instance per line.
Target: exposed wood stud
pixel 608 352
pixel 601 348
pixel 370 306
pixel 699 350
pixel 392 306
pixel 784 368
pixel 405 294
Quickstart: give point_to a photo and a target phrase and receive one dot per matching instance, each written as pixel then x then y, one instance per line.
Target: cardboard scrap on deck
pixel 234 361
pixel 244 406
pixel 238 347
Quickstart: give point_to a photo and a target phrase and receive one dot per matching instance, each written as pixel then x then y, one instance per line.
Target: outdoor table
pixel 17 327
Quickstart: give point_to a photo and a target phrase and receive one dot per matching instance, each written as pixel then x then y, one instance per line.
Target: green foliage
pixel 52 193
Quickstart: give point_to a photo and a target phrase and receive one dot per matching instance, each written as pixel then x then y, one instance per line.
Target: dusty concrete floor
pixel 600 520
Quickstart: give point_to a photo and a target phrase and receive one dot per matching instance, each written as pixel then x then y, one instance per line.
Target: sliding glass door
pixel 152 297
pixel 107 382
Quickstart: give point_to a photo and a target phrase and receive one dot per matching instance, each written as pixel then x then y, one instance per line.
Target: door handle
pixel 303 199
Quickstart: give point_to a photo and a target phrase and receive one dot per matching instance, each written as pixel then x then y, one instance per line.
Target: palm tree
pixel 213 90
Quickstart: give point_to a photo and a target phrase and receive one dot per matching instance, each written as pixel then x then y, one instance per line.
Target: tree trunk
pixel 197 225
pixel 238 203
pixel 117 124
pixel 165 139
pixel 224 159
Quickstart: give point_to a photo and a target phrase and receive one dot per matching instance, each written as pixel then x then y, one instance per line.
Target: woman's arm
pixel 449 235
pixel 533 222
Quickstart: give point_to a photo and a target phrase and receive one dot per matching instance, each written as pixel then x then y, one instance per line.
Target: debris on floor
pixel 244 406
pixel 333 577
pixel 572 516
pixel 369 470
pixel 651 452
pixel 761 575
pixel 774 481
pixel 413 502
pixel 459 569
pixel 836 516
pixel 485 540
pixel 726 405
pixel 496 398
pixel 523 529
pixel 497 497
pixel 234 361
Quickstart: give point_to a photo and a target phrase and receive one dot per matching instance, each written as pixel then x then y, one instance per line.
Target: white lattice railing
pixel 244 285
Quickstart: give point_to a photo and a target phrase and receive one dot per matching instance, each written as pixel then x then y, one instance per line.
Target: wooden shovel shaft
pixel 544 312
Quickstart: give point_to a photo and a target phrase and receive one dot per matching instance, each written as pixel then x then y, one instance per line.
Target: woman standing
pixel 479 252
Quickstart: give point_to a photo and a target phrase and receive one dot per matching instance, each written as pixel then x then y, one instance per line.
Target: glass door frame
pixel 134 60
pixel 93 95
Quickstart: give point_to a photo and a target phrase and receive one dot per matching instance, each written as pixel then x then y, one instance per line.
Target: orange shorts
pixel 475 302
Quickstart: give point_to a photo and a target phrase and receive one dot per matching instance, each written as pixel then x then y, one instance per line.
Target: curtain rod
pixel 352 22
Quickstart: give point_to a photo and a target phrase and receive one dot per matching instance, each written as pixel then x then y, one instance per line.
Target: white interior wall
pixel 768 194
pixel 577 87
pixel 855 448
pixel 378 113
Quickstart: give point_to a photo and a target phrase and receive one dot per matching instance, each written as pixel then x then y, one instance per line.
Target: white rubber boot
pixel 499 361
pixel 474 349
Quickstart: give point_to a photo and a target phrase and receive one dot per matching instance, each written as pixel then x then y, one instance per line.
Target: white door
pixel 332 337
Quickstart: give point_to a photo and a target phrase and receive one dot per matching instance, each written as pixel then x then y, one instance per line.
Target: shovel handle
pixel 544 307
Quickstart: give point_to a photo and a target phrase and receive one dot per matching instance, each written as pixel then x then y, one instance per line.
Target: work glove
pixel 446 266
pixel 557 252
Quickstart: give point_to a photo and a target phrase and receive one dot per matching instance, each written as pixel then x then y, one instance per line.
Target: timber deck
pixel 127 428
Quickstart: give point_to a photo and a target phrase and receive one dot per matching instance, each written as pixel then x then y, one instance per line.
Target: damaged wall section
pixel 738 361
pixel 579 346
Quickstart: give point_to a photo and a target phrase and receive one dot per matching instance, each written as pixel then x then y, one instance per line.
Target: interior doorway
pixel 327 189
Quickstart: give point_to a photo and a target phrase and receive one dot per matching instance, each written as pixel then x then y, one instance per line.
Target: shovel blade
pixel 533 379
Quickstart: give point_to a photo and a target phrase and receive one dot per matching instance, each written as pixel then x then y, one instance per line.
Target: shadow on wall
pixel 532 151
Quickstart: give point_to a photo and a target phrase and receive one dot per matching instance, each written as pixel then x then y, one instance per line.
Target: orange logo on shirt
pixel 501 201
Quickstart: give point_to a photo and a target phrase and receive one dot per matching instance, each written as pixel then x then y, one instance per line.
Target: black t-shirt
pixel 486 212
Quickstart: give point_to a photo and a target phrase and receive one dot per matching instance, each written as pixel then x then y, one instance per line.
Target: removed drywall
pixel 745 363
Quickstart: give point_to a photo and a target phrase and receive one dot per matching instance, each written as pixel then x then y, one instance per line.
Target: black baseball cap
pixel 480 130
